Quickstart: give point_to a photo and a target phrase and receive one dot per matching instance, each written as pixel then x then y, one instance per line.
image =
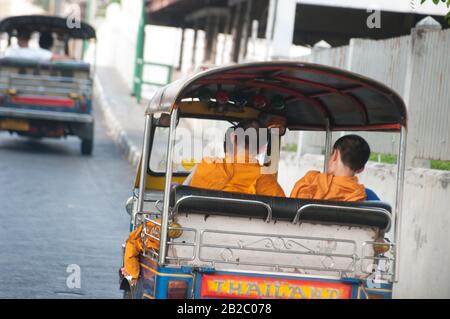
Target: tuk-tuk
pixel 215 244
pixel 48 98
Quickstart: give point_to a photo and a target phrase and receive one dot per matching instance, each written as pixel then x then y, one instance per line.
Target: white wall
pixel 117 35
pixel 425 235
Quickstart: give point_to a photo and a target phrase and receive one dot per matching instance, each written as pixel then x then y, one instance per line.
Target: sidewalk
pixel 124 116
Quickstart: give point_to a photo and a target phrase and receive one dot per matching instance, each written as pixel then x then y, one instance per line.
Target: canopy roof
pixel 39 23
pixel 334 21
pixel 309 96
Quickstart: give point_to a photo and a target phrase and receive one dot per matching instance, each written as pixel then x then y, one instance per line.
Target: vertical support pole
pixel 89 17
pixel 55 7
pixel 227 31
pixel 401 164
pixel 144 163
pixel 208 38
pixel 245 29
pixel 167 188
pixel 180 61
pixel 194 45
pixel 254 37
pixel 269 27
pixel 299 153
pixel 284 24
pixel 236 32
pixel 349 59
pixel 139 58
pixel 328 141
pixel 214 38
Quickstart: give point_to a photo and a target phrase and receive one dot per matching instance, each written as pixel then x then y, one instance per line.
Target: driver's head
pixel 245 136
pixel 23 37
pixel 46 40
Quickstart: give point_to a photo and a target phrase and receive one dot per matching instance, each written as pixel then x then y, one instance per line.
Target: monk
pixel 237 172
pixel 339 183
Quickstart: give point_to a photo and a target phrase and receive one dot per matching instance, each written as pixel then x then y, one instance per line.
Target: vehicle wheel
pixel 127 294
pixel 87 146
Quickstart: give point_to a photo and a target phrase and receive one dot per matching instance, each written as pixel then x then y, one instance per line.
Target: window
pixel 195 139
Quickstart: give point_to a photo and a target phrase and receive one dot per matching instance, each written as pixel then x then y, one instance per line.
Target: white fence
pixel 418 68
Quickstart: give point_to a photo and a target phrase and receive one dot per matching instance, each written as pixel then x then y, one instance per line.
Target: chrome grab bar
pixel 229 200
pixel 340 208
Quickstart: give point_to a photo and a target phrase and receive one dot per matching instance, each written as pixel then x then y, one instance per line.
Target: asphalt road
pixel 57 209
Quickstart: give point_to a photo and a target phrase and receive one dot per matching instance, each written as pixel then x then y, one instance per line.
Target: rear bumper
pixel 46 115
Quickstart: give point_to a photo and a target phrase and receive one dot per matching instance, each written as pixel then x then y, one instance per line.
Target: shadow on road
pixel 39 146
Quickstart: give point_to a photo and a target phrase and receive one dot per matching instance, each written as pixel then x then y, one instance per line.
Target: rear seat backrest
pixel 371 214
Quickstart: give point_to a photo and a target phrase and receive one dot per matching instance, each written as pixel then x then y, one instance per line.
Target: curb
pixel 116 131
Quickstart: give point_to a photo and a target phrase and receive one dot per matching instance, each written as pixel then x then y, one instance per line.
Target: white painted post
pixel 299 153
pixel 283 32
pixel 413 79
pixel 269 28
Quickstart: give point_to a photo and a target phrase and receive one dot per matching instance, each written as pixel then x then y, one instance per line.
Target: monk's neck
pixel 343 171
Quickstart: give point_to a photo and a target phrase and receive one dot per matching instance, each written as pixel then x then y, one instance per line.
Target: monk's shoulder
pixel 312 175
pixel 269 178
pixel 268 185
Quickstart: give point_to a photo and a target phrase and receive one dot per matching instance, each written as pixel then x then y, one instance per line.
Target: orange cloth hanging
pixel 134 246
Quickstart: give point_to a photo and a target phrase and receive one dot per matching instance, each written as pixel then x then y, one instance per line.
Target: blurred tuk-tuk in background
pixel 48 98
pixel 214 244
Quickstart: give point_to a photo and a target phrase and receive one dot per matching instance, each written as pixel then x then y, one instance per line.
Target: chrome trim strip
pixel 46 115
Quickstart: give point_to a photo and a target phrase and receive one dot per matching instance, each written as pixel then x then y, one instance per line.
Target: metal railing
pixel 150 230
pixel 382 264
pixel 139 81
pixel 277 252
pixel 252 249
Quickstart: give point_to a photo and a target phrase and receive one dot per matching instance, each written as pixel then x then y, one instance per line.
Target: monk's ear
pixel 334 155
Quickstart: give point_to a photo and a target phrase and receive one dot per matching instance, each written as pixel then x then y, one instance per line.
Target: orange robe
pixel 316 185
pixel 235 177
pixel 213 175
pixel 135 246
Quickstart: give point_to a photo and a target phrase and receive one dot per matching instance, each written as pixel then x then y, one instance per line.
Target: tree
pixel 447 2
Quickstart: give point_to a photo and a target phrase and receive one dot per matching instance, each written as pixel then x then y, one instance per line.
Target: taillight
pixel 381 246
pixel 177 289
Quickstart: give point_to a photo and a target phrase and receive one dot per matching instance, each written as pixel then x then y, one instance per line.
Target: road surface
pixel 59 209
